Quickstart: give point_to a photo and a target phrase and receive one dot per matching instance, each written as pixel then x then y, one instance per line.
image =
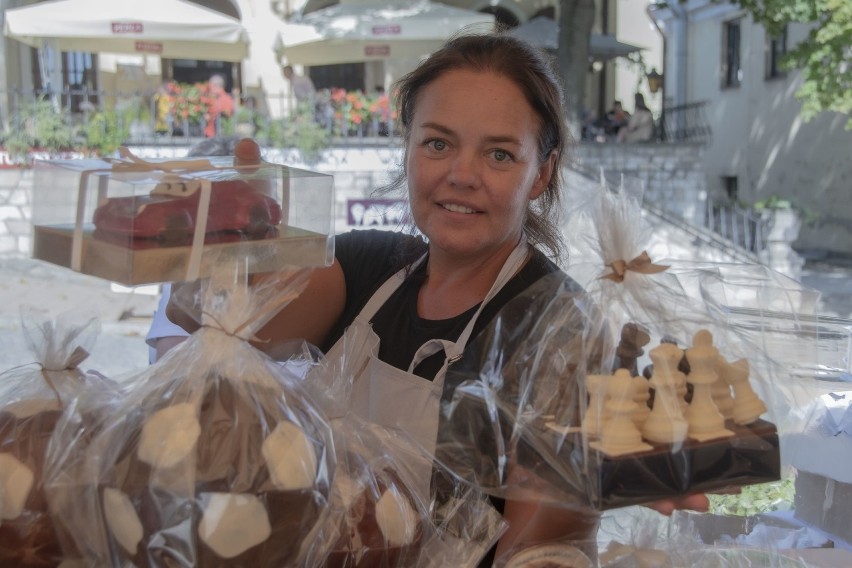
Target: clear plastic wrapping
pixel 32 402
pixel 628 382
pixel 380 514
pixel 215 456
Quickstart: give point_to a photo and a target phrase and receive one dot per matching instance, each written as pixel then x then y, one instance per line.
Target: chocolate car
pixel 169 212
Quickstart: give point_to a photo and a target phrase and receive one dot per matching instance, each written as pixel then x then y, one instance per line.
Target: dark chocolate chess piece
pixel 633 338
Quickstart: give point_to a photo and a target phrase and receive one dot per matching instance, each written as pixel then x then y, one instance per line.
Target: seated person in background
pixel 616 119
pixel 640 128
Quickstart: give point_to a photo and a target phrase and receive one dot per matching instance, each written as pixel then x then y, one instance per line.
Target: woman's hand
pixel 696 502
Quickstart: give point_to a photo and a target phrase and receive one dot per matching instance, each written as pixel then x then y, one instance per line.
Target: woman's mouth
pixel 457 208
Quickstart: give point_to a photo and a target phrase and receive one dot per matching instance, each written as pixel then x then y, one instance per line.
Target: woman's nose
pixel 464 171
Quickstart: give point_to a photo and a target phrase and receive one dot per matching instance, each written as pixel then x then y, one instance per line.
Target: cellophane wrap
pixel 607 388
pixel 33 399
pixel 214 457
pixel 638 536
pixel 377 516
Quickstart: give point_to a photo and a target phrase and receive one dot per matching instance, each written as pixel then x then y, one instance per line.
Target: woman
pixel 640 127
pixel 484 135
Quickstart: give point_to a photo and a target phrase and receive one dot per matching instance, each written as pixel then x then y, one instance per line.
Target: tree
pixel 576 18
pixel 824 57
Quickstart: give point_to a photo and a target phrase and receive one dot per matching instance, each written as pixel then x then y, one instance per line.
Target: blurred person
pixel 640 127
pixel 221 104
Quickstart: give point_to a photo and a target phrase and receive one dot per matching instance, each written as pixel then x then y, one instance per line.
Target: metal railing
pixel 684 123
pixel 745 228
pixel 78 114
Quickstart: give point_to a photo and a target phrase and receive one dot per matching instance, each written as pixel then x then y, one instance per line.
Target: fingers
pixel 696 502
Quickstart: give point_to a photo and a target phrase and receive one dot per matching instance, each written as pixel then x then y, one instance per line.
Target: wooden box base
pixel 668 471
pixel 142 261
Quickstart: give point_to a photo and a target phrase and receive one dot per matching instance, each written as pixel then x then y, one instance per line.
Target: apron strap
pixel 455 349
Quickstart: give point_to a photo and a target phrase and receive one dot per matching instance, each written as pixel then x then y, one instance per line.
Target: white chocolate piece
pixel 233 523
pixel 704 419
pixel 346 489
pixel 594 418
pixel 641 395
pixel 747 405
pixel 665 423
pixel 290 457
pixel 16 480
pixel 169 436
pixel 619 435
pixel 122 520
pixel 551 555
pixel 396 518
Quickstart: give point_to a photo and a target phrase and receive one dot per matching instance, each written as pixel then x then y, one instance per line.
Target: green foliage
pixel 38 125
pixel 754 499
pixel 106 131
pixel 301 130
pixel 823 57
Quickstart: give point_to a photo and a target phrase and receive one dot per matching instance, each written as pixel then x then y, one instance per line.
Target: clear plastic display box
pixel 137 222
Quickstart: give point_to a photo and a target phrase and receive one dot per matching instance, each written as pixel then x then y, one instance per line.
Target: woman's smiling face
pixel 472 162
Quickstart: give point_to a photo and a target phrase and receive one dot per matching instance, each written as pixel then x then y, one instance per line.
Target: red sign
pixel 387 29
pixel 127 27
pixel 377 50
pixel 148 47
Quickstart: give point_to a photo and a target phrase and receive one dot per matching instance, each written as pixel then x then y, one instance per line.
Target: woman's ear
pixel 544 175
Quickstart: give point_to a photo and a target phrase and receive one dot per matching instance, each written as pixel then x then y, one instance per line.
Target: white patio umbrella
pixel 544 32
pixel 175 29
pixel 351 33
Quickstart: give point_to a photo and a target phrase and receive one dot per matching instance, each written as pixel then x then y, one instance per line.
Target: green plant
pixel 302 131
pixel 106 131
pixel 754 499
pixel 38 125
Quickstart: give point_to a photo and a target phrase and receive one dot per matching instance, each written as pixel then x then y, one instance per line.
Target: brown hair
pixel 531 70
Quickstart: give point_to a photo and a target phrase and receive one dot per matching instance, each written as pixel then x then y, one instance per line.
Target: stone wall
pixel 673 176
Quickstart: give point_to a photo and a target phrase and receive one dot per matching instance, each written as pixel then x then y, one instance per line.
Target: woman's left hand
pixel 696 502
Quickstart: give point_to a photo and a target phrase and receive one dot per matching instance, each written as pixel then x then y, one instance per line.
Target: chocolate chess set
pixel 691 422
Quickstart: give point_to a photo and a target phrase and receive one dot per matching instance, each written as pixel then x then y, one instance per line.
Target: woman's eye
pixel 437 145
pixel 502 155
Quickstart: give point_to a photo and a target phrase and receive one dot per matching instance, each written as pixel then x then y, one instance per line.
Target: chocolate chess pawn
pixel 721 391
pixel 595 413
pixel 705 420
pixel 665 423
pixel 641 396
pixel 633 338
pixel 747 406
pixel 619 436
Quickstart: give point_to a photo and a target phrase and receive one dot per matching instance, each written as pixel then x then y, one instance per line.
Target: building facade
pixel 761 150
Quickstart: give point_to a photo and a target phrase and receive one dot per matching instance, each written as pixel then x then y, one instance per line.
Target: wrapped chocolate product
pixel 381 514
pixel 626 383
pixel 31 405
pixel 215 457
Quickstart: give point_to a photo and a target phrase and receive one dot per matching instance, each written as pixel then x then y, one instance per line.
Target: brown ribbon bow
pixel 641 264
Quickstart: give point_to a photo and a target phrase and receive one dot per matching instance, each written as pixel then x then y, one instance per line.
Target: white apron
pixel 397 399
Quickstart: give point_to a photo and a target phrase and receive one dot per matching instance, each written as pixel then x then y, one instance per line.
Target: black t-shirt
pixel 369 258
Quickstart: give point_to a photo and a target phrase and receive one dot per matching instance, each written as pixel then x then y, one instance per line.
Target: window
pixel 79 76
pixel 732 73
pixel 729 185
pixel 776 48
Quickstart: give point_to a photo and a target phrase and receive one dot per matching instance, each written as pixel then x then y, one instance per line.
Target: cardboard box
pixel 119 262
pixel 137 222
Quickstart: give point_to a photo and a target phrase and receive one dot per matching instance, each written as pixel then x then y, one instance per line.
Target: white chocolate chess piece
pixel 747 405
pixel 641 395
pixel 665 423
pixel 721 390
pixel 594 418
pixel 705 420
pixel 619 436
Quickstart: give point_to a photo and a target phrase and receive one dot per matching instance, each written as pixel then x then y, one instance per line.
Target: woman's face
pixel 472 162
